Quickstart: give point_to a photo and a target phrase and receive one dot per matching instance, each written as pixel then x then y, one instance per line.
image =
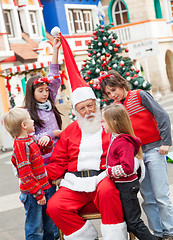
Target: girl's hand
pixel 57 42
pixel 163 150
pixel 42 201
pixel 43 141
pixel 57 133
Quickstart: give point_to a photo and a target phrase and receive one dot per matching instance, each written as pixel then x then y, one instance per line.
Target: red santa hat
pixel 81 91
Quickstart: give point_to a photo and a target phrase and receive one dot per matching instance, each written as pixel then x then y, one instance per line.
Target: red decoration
pixel 112 24
pixel 86 78
pixel 98 87
pixel 63 76
pixel 95 33
pixel 126 50
pixel 94 52
pixel 88 72
pixel 42 80
pixel 113 40
pixel 102 26
pixel 18 88
pixel 102 30
pixel 89 42
pixel 104 58
pixel 107 54
pixel 115 49
pixel 122 64
pixel 117 44
pixel 135 75
pixel 127 74
pixel 106 44
pixel 84 60
pixel 109 68
pixel 95 38
pixel 137 70
pixel 84 65
pixel 89 54
pixel 132 69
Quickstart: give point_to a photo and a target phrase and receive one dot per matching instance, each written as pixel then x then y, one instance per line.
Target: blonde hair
pixel 13 120
pixel 118 121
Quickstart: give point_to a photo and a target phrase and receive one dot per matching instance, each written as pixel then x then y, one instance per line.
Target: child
pixel 28 161
pixel 120 166
pixel 40 103
pixel 152 125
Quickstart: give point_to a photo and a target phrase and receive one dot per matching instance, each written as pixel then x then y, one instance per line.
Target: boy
pixel 28 162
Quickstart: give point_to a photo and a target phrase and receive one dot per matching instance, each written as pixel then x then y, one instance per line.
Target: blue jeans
pixel 155 192
pixel 38 225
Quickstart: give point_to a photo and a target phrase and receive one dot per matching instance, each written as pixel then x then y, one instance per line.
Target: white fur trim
pixel 81 94
pixel 114 231
pixel 55 31
pixel 142 171
pixel 87 232
pixel 87 184
pixel 90 151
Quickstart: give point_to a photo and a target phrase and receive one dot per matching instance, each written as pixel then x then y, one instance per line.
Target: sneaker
pixel 168 238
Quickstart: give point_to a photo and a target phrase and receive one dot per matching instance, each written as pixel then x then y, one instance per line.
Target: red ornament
pixel 89 42
pixel 104 58
pixel 126 50
pixel 137 70
pixel 89 54
pixel 94 52
pixel 102 30
pixel 102 26
pixel 107 54
pixel 127 74
pixel 132 69
pixel 84 65
pixel 95 38
pixel 98 87
pixel 81 69
pixel 117 44
pixel 115 49
pixel 18 88
pixel 91 81
pixel 106 44
pixel 86 78
pixel 84 60
pixel 88 72
pixel 113 40
pixel 95 33
pixel 112 24
pixel 135 75
pixel 109 68
pixel 122 64
pixel 94 86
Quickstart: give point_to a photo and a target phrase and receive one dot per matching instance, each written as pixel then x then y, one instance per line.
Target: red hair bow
pixel 104 76
pixel 43 80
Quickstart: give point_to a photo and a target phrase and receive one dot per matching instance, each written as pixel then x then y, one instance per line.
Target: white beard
pixel 90 125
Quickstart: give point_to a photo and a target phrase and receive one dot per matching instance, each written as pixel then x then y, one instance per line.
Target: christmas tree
pixel 104 52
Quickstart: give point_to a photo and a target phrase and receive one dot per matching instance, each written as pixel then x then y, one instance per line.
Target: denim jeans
pixel 132 211
pixel 38 225
pixel 155 192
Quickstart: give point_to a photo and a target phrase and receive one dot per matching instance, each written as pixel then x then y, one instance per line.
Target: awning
pixel 23 68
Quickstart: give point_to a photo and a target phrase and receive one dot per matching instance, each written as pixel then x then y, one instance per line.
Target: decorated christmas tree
pixel 105 53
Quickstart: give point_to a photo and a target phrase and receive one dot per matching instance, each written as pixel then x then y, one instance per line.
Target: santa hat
pixel 81 91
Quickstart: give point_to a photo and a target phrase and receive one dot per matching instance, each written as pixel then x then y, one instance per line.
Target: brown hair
pixel 118 121
pixel 115 80
pixel 31 103
pixel 13 120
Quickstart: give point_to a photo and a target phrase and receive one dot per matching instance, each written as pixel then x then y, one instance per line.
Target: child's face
pixel 115 93
pixel 29 124
pixel 41 93
pixel 105 125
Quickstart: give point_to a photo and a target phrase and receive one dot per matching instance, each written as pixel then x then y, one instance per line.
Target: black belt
pixel 87 173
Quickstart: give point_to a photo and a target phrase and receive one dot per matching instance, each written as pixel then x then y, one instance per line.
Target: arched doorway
pixel 169 67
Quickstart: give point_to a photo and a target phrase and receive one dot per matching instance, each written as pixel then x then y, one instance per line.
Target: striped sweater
pixel 28 161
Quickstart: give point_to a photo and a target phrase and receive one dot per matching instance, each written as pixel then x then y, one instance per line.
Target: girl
pixel 152 125
pixel 40 103
pixel 120 166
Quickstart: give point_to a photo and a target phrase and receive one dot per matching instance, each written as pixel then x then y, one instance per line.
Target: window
pixel 171 9
pixel 33 22
pixel 8 23
pixel 119 13
pixel 80 21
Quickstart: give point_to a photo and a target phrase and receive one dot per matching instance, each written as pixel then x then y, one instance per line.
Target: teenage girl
pixel 120 166
pixel 40 103
pixel 152 125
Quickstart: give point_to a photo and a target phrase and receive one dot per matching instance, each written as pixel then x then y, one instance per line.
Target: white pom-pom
pixel 55 31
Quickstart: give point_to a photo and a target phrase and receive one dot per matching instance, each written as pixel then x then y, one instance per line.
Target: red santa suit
pixel 76 151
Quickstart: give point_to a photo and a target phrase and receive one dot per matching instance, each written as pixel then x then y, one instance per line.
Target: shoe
pixel 158 238
pixel 168 238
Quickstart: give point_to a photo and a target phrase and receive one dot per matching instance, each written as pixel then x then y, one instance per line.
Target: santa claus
pixel 79 158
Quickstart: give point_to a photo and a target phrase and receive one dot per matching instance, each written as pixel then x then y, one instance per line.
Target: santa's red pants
pixel 64 205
